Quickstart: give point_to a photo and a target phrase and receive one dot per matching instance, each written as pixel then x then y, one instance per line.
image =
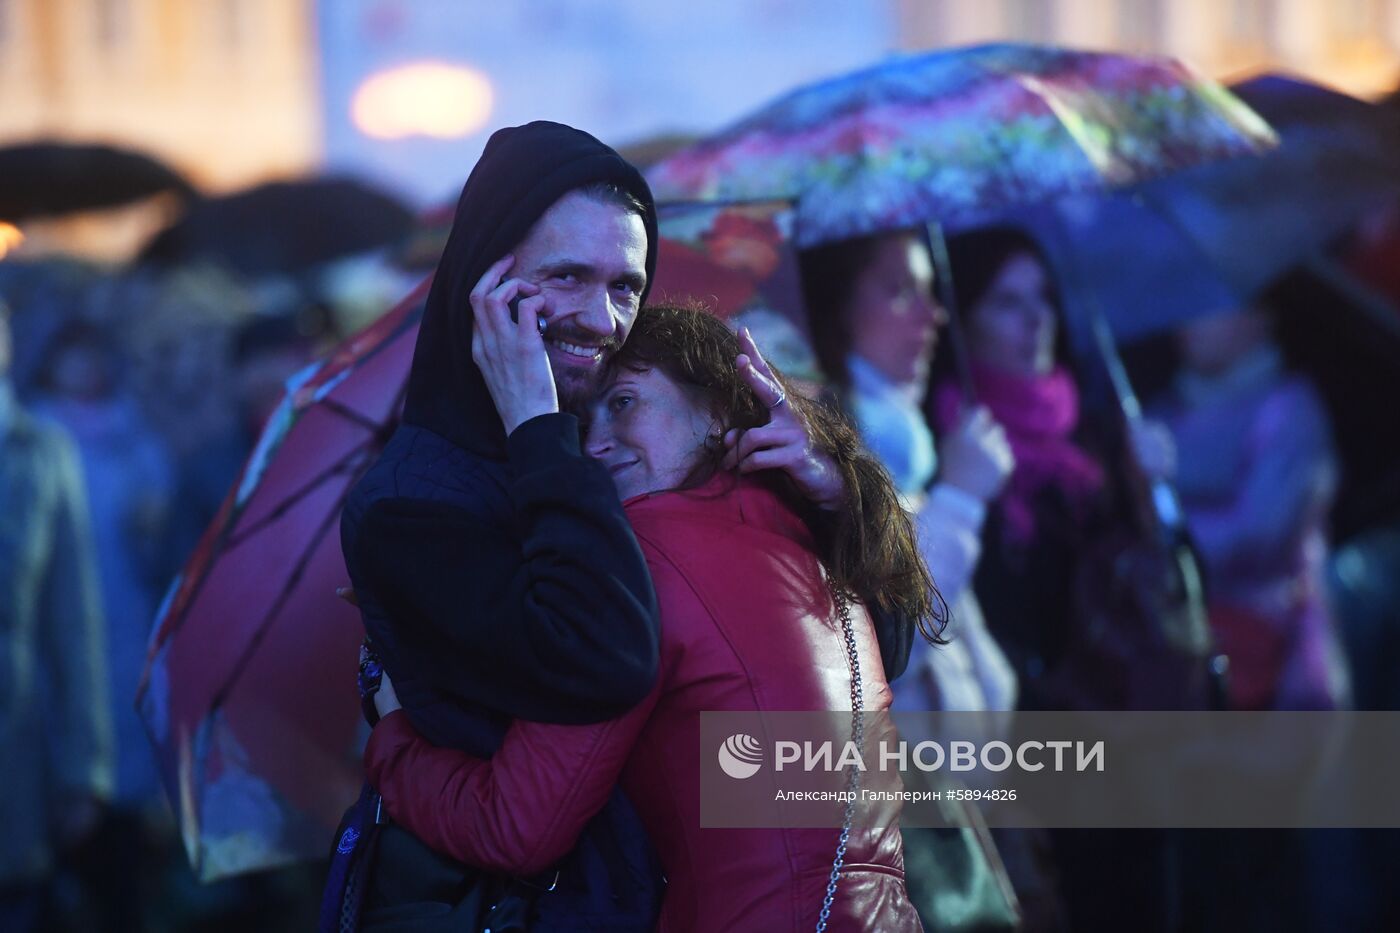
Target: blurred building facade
pixel 224 90
pixel 1353 45
pixel 233 92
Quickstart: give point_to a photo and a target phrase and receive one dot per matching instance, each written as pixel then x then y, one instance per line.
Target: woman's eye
pixel 619 402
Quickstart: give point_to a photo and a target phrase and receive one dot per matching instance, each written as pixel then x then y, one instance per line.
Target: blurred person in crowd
pixel 55 731
pixel 748 623
pixel 177 329
pixel 269 350
pixel 129 482
pixel 493 564
pixel 1257 474
pixel 875 324
pixel 1064 499
pixel 45 294
pixel 1052 544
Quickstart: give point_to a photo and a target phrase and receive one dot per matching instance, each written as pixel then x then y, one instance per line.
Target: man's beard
pixel 576 388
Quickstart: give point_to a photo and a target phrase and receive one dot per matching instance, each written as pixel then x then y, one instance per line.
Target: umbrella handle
pixel 1166 505
pixel 937 245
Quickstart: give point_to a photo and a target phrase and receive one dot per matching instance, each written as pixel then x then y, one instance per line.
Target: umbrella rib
pixel 293 578
pixel 228 540
pixel 233 540
pixel 351 414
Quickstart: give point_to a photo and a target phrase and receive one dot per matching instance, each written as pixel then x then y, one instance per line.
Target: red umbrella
pixel 249 692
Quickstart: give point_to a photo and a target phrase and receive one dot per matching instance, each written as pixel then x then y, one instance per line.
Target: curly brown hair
pixel 868 546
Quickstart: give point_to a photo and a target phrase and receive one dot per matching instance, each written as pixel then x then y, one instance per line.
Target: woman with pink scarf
pixel 1063 500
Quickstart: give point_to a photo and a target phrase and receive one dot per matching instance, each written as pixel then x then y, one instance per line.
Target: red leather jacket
pixel 734 571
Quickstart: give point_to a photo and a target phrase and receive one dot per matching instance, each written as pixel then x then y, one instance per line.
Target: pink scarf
pixel 1039 415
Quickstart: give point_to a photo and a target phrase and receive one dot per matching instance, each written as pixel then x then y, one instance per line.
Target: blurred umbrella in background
pixel 284 227
pixel 738 260
pixel 249 692
pixel 957 134
pixel 963 135
pixel 45 179
pixel 1211 237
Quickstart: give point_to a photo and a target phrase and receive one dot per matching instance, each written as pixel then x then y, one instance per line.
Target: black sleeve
pixel 557 623
pixel 895 634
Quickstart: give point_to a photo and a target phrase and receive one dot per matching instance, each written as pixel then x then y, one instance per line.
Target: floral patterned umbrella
pixel 957 134
pixel 249 694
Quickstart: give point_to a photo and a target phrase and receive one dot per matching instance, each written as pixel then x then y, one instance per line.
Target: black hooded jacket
pixel 498 577
pixel 500 573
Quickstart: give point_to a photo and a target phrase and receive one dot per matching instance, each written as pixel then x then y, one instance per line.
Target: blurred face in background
pixel 1211 345
pixel 893 314
pixel 1012 326
pixel 81 370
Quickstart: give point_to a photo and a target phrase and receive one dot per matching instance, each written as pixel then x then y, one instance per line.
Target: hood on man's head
pixel 521 173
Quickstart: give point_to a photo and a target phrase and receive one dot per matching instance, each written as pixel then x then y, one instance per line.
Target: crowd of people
pixel 131 397
pixel 599 518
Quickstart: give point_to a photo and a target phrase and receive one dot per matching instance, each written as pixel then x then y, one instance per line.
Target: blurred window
pixel 1139 24
pixel 233 23
pixel 1032 20
pixel 1358 34
pixel 113 23
pixel 1250 23
pixel 1358 20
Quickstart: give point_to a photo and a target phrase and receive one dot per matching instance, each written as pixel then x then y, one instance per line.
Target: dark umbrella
pixel 284 227
pixel 48 178
pixel 1211 237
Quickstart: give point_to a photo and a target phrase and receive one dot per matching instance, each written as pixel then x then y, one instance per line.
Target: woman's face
pixel 894 316
pixel 1012 328
pixel 648 430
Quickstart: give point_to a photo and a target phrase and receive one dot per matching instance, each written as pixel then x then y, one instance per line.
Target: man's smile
pixel 575 351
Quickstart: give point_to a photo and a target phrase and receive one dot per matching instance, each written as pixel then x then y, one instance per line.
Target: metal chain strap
pixel 843 609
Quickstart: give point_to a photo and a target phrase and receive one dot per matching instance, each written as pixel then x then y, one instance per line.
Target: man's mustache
pixel 580 337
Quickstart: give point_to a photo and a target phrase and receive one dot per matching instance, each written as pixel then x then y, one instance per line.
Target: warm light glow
pixel 423 99
pixel 10 238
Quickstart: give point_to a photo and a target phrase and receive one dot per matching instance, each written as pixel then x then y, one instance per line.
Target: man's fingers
pixel 766 460
pixel 768 437
pixel 491 278
pixel 528 311
pixel 493 313
pixel 767 390
pixel 751 349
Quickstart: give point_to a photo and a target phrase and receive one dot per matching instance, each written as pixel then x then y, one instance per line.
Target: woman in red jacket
pixel 748 624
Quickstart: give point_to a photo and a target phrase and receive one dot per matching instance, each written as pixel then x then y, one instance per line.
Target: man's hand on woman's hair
pixel 785 442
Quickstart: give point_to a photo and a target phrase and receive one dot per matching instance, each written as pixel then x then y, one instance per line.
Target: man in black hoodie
pixel 494 567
